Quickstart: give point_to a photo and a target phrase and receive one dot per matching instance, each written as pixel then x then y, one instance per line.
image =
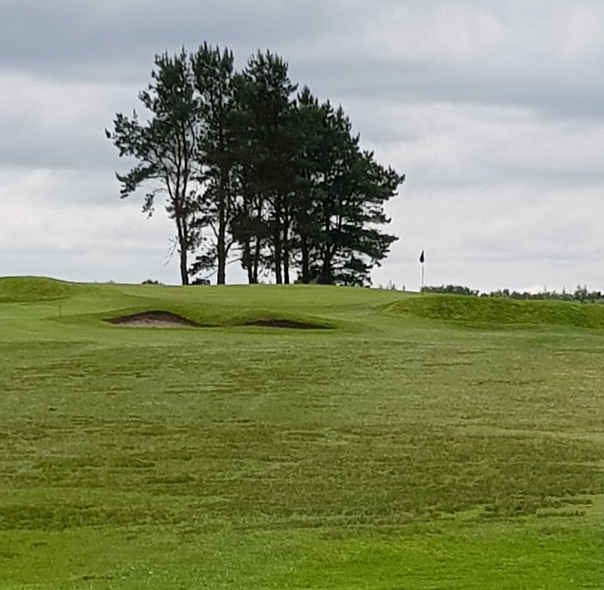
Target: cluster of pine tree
pixel 255 170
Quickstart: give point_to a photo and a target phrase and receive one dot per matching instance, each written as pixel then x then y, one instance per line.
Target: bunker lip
pixel 154 319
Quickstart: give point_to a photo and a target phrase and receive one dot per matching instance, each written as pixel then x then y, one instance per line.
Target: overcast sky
pixel 494 109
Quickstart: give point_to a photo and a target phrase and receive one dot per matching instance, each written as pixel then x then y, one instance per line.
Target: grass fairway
pixel 404 443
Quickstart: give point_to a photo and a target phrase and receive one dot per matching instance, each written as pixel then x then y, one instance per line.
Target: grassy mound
pixel 29 289
pixel 487 310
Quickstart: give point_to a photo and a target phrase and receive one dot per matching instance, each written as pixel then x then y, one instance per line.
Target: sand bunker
pixel 167 319
pixel 154 319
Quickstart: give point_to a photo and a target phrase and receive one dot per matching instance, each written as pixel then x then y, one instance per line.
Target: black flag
pixel 422 258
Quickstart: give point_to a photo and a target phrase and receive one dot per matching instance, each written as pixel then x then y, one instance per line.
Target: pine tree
pixel 244 167
pixel 165 147
pixel 264 223
pixel 213 80
pixel 341 196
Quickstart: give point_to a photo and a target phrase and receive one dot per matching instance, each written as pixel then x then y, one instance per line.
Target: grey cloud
pixel 62 151
pixel 65 38
pixel 543 56
pixel 494 110
pixel 333 46
pixel 47 124
pixel 565 95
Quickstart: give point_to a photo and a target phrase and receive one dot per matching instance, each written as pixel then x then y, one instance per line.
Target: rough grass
pixel 390 452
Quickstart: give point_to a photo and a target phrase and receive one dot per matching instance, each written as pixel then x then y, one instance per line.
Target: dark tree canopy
pixel 253 171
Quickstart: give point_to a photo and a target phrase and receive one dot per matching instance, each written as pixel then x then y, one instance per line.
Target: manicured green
pixel 406 443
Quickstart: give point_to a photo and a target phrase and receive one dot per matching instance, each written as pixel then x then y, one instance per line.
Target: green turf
pixel 419 443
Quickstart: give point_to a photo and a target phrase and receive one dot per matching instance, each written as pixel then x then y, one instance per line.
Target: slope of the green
pixel 393 451
pixel 495 311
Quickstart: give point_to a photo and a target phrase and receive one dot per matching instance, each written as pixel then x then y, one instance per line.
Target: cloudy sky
pixel 494 109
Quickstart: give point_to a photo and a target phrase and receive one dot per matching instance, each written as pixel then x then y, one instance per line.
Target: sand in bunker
pixel 154 319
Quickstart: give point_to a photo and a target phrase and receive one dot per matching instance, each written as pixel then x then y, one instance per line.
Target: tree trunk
pixel 305 261
pixel 256 262
pixel 277 245
pixel 223 214
pixel 184 274
pixel 182 250
pixel 221 245
pixel 246 259
pixel 326 275
pixel 285 255
pixel 277 241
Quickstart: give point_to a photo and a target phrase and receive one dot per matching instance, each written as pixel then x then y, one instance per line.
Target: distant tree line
pixel 450 289
pixel 580 294
pixel 254 170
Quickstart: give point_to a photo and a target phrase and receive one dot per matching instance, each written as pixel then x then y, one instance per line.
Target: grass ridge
pixel 496 311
